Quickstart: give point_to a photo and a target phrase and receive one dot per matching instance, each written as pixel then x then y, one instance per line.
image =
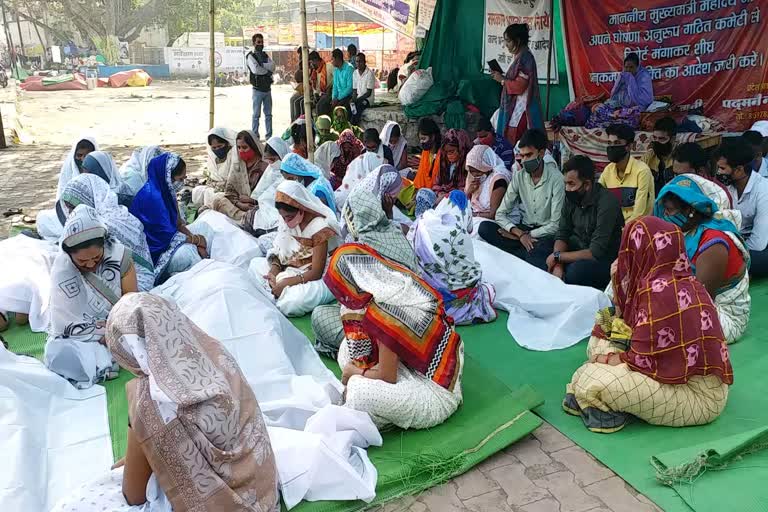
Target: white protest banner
pixel 537 15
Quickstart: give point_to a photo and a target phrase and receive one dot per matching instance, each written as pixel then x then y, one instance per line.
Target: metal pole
pixel 549 52
pixel 333 23
pixel 213 64
pixel 381 64
pixel 305 72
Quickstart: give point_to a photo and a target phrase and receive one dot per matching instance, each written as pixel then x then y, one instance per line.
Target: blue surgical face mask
pixel 679 219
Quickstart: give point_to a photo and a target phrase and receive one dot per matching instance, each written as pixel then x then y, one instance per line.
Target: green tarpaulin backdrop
pixel 454 50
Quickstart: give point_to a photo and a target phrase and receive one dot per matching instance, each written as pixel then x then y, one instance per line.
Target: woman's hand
pixel 118 464
pixel 612 359
pixel 388 203
pixel 200 241
pixel 203 252
pixel 277 288
pixel 497 76
pixel 472 184
pixel 349 371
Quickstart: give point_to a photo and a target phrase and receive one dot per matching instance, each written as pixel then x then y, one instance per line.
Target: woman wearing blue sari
pixel 715 249
pixel 296 168
pixel 173 247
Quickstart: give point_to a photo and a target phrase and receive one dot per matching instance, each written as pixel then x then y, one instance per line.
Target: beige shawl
pixel 192 410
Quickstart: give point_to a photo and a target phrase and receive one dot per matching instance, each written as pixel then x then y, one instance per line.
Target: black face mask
pixel 616 153
pixel 725 179
pixel 427 146
pixel 258 47
pixel 661 149
pixel 575 196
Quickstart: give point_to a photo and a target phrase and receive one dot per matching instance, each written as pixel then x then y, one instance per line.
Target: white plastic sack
pixel 416 86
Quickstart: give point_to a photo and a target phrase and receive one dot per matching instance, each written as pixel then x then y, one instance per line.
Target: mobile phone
pixel 494 66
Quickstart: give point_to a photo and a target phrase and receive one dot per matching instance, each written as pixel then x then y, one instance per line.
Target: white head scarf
pixel 69 168
pixel 279 145
pixel 107 164
pixel 360 167
pixel 325 155
pixel 397 150
pixel 219 172
pixel 134 171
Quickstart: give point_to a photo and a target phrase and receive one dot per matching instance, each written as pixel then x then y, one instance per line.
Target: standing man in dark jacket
pixel 260 69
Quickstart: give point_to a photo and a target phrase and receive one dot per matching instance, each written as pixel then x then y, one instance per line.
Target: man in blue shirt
pixel 342 80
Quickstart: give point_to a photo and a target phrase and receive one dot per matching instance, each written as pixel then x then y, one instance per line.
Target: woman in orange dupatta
pixel 661 355
pixel 401 357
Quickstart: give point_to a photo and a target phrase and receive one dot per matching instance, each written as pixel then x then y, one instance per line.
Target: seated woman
pixel 324 132
pixel 88 277
pixel 236 199
pixel 294 266
pixel 401 358
pixel 393 138
pixel 298 131
pixel 365 221
pixel 221 438
pixel 441 239
pixel 326 155
pixel 48 222
pixel 641 361
pixel 720 260
pixel 341 122
pixel 222 160
pixel 452 173
pixel 101 164
pixel 92 191
pixel 295 168
pixel 351 148
pixel 172 246
pixel 373 144
pixel 262 217
pixel 134 171
pixel 358 170
pixel 487 180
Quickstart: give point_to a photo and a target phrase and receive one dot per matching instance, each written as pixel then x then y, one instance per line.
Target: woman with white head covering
pixel 48 222
pixel 325 155
pixel 74 161
pixel 92 191
pixel 441 239
pixel 263 218
pixel 222 160
pixel 196 439
pixel 101 164
pixel 392 136
pixel 89 276
pixel 360 167
pixel 487 181
pixel 134 171
pixel 294 266
pixel 294 167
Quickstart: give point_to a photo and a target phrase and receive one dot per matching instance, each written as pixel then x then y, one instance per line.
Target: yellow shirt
pixel 652 161
pixel 635 191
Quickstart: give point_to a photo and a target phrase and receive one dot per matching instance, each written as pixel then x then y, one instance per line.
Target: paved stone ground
pixel 545 472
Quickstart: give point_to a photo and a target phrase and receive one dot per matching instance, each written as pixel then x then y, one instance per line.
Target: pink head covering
pixel 475 159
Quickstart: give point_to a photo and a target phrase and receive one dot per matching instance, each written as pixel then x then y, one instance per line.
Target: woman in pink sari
pixel 520 105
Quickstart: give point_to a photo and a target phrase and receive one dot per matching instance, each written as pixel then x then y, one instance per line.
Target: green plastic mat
pixel 708 476
pixel 491 418
pixel 629 451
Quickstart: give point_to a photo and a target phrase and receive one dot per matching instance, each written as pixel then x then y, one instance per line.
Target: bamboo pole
pixel 212 64
pixel 549 52
pixel 333 23
pixel 305 73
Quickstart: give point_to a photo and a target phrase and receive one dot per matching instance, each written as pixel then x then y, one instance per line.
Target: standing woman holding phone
pixel 520 105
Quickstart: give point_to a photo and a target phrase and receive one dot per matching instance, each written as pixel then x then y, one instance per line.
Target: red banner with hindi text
pixel 708 54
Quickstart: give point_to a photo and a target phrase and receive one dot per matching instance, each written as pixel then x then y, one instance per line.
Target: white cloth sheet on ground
pixel 25 277
pixel 544 312
pixel 226 242
pixel 53 437
pixel 319 447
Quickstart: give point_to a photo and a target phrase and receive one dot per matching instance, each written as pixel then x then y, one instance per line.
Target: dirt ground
pixel 174 112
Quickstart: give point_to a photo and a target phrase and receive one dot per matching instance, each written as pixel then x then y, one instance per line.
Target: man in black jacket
pixel 260 69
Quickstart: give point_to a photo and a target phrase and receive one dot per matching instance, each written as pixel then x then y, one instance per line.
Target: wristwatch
pixel 556 254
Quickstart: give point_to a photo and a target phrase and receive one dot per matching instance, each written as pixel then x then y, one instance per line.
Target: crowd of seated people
pixel 383 256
